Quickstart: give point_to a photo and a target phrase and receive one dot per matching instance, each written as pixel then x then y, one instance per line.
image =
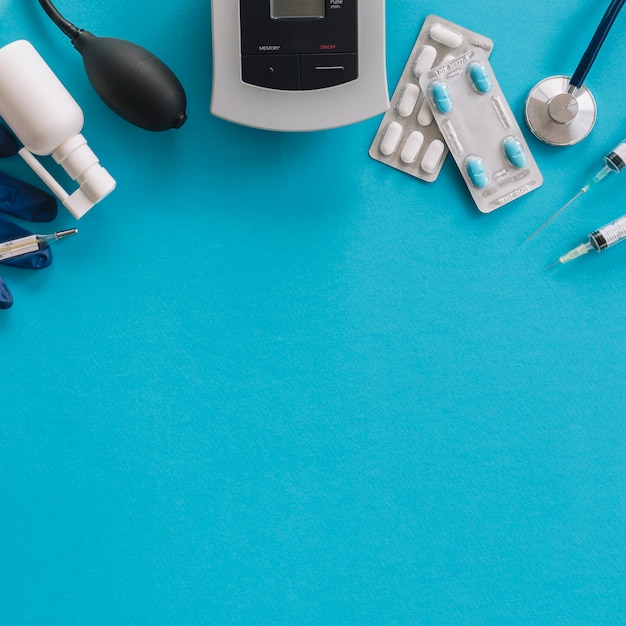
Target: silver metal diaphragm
pixel 559 114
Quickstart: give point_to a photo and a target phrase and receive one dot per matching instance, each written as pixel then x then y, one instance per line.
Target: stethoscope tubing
pixel 580 74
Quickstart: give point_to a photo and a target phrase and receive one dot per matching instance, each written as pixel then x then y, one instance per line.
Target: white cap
pixel 83 166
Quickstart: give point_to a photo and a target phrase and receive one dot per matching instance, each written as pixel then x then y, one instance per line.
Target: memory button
pixel 274 71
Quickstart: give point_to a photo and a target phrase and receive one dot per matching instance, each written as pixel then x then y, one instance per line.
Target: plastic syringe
pixel 30 243
pixel 614 161
pixel 599 240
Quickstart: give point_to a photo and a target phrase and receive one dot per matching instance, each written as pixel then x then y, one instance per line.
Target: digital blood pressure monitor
pixel 298 64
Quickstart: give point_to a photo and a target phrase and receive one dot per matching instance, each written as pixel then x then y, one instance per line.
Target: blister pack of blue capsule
pixel 480 130
pixel 408 139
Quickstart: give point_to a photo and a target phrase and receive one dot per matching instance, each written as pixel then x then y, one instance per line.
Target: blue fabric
pixel 33 260
pixel 8 143
pixel 22 200
pixel 6 299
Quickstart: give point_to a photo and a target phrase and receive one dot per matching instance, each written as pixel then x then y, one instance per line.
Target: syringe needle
pixel 601 175
pixel 583 248
pixel 580 193
pixel 547 267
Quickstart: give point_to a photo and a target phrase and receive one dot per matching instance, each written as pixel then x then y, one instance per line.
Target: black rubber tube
pixel 65 25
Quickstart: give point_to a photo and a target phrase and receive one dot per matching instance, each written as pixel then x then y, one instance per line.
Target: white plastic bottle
pixel 48 121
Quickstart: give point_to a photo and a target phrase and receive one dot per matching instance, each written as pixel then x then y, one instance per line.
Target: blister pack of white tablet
pixel 407 138
pixel 480 130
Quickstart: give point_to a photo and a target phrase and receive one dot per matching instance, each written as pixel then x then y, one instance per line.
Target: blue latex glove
pixel 26 202
pixel 8 143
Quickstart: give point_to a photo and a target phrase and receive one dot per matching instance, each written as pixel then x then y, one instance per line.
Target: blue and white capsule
pixel 479 77
pixel 514 152
pixel 441 97
pixel 477 172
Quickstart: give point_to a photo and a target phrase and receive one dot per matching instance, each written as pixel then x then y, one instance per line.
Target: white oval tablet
pixel 433 156
pixel 407 101
pixel 424 61
pixel 445 36
pixel 425 115
pixel 412 147
pixel 391 138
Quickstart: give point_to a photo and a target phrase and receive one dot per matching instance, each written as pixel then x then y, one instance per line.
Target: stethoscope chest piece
pixel 558 113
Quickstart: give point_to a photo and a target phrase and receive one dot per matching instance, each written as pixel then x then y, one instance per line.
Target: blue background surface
pixel 273 381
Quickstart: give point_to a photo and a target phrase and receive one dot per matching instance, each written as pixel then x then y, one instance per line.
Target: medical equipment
pixel 131 81
pixel 562 111
pixel 599 240
pixel 614 161
pixel 17 197
pixel 47 120
pixel 8 143
pixel 26 201
pixel 481 131
pixel 298 65
pixel 407 139
pixel 31 243
pixel 21 248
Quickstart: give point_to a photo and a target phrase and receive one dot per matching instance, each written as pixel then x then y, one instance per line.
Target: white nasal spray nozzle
pixel 48 121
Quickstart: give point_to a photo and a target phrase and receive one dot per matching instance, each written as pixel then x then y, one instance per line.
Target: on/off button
pixel 327 70
pixel 274 71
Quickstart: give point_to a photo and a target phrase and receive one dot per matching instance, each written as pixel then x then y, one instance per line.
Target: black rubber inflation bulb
pixel 132 81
